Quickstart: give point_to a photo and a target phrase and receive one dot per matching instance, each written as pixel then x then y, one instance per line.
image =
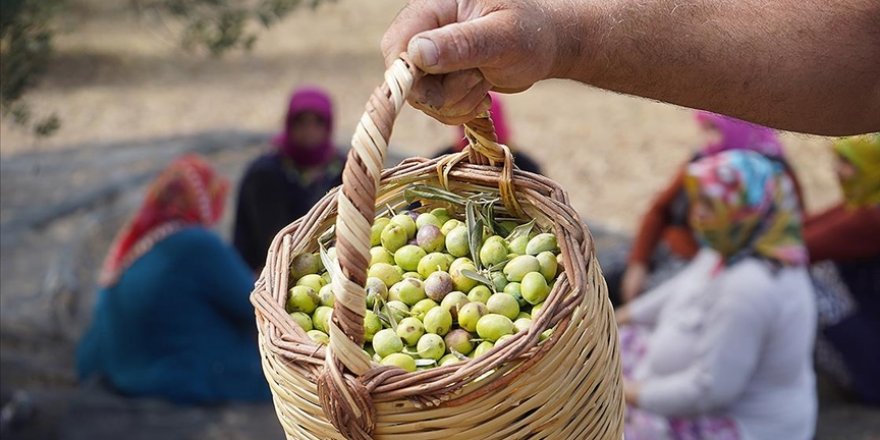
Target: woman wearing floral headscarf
pixel 844 245
pixel 666 219
pixel 283 184
pixel 173 319
pixel 727 353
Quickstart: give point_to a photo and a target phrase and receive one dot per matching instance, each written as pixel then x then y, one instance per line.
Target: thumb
pixel 461 46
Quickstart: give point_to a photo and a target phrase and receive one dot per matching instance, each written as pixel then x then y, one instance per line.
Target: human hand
pixel 631 392
pixel 622 315
pixel 468 48
pixel 633 281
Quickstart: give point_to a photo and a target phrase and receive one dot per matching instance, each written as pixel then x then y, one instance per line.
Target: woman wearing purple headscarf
pixel 666 219
pixel 282 185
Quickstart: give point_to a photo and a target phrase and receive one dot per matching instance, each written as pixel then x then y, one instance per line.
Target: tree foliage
pixel 25 48
pixel 221 25
pixel 211 26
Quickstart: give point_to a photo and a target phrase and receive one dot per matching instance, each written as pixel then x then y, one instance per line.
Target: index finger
pixel 416 17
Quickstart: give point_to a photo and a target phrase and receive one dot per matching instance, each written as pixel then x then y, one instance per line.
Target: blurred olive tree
pixel 25 48
pixel 27 28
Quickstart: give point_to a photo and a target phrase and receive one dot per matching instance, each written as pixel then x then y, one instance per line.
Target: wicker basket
pixel 566 387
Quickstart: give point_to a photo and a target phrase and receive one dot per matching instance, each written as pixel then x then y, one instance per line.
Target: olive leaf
pixel 327 236
pixel 478 277
pixel 390 210
pixel 330 264
pixel 381 310
pixel 387 319
pixel 522 230
pixel 475 231
pixel 500 265
pixel 484 197
pixel 415 192
pixel 377 306
pixel 392 320
pixel 489 216
pixel 425 362
pixel 458 355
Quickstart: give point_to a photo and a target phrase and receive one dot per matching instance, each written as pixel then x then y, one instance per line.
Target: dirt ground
pixel 118 76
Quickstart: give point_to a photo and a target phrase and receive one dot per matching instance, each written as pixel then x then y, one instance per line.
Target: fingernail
pixel 427 50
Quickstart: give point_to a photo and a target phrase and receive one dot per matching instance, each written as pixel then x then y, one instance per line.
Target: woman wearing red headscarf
pixel 502 129
pixel 665 220
pixel 173 319
pixel 282 185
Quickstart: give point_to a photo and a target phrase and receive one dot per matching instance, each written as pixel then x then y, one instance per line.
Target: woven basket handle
pixel 356 204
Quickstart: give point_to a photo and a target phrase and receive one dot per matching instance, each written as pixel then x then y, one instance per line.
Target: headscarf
pixel 496 113
pixel 188 192
pixel 740 135
pixel 307 100
pixel 863 152
pixel 754 205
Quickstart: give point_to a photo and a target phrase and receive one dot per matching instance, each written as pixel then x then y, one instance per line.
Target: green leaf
pixel 331 265
pixel 489 216
pixel 47 126
pixel 500 265
pixel 478 277
pixel 459 356
pixel 475 231
pixel 377 306
pixel 524 229
pixel 415 192
pixel 327 235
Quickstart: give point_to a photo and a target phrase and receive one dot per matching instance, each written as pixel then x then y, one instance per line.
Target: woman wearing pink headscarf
pixel 282 185
pixel 666 219
pixel 502 130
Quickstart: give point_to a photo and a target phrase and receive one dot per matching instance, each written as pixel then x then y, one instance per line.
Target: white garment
pixel 738 344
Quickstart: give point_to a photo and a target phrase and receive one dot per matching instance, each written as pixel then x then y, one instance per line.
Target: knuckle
pixel 464 44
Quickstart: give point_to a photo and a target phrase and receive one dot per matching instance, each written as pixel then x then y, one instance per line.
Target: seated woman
pixel 725 351
pixel 666 219
pixel 502 129
pixel 844 245
pixel 282 185
pixel 173 319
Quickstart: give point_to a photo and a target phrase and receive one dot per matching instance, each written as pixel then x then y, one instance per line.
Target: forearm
pixel 803 65
pixel 647 237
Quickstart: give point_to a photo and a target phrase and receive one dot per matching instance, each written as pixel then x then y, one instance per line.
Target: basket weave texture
pixel 565 387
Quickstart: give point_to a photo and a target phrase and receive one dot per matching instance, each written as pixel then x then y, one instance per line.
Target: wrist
pixel 637 266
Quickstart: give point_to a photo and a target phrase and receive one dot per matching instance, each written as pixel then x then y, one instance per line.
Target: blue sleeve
pixel 228 281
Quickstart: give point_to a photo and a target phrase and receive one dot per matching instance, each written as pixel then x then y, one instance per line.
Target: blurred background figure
pixel 666 220
pixel 172 319
pixel 726 348
pixel 282 185
pixel 502 129
pixel 844 245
